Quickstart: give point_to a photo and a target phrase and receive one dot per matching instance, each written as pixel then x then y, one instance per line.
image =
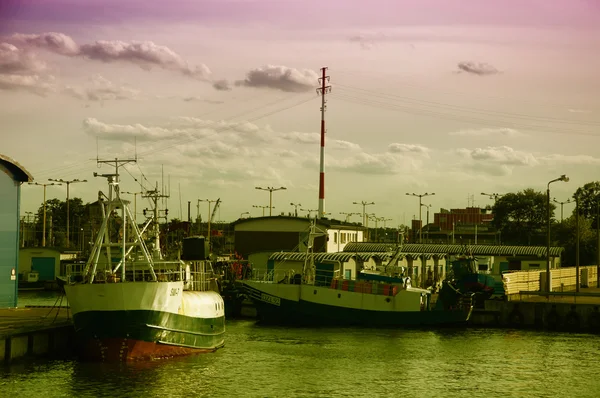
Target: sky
pixel 216 97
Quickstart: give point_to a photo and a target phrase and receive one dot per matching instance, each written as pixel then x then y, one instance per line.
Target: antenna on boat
pixel 322 90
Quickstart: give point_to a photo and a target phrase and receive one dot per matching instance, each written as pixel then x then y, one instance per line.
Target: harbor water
pixel 261 361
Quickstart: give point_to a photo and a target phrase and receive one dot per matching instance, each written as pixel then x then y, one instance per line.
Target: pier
pixel 35 331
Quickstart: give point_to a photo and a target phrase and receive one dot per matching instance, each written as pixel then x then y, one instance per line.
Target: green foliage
pixel 565 235
pixel 521 217
pixel 56 222
pixel 589 200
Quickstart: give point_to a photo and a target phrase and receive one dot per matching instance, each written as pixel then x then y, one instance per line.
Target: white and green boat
pixel 129 303
pixel 319 297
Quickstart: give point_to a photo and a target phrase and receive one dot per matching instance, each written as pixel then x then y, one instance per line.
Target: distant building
pixel 12 175
pixel 472 225
pixel 257 238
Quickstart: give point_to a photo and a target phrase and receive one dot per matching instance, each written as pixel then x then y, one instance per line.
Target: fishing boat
pixel 320 296
pixel 129 303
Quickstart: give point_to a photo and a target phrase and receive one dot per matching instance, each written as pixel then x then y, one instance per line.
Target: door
pixel 45 267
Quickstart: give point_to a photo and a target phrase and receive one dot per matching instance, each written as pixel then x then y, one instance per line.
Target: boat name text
pixel 270 299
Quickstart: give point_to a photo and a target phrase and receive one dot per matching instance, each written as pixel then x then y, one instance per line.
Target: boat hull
pixel 144 320
pixel 353 309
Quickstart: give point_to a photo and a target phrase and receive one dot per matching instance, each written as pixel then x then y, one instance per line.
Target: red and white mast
pixel 322 90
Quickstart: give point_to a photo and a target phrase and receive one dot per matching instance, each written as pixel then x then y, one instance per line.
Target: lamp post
pixel 309 211
pixel 548 278
pixel 598 239
pixel 67 182
pixel 494 195
pixel 577 239
pixel 364 205
pixel 135 194
pixel 295 208
pixel 348 215
pixel 244 213
pixel 421 196
pixel 270 189
pixel 261 207
pixel 561 206
pixel 44 219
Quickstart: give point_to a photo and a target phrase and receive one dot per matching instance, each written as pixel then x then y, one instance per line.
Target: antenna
pixel 324 79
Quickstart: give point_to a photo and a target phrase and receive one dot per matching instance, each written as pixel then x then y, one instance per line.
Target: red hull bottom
pixel 127 350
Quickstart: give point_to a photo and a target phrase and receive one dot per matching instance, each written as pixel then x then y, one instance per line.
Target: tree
pixel 565 235
pixel 589 199
pixel 521 217
pixel 56 210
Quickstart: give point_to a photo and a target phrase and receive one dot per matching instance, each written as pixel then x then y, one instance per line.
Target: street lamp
pixel 67 182
pixel 295 208
pixel 348 215
pixel 44 220
pixel 494 195
pixel 421 196
pixel 548 278
pixel 270 189
pixel 261 207
pixel 364 204
pixel 561 206
pixel 309 211
pixel 244 213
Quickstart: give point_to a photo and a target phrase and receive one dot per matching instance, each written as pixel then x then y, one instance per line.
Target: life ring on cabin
pixel 407 282
pixel 572 321
pixel 516 318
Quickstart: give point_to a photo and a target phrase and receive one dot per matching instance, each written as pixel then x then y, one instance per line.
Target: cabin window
pixel 483 267
pixel 348 274
pixel 335 237
pixel 343 240
pixel 534 266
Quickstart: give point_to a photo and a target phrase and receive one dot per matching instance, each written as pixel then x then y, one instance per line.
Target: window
pixel 335 237
pixel 534 266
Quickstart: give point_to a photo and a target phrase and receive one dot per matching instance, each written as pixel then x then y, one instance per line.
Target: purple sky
pixel 310 13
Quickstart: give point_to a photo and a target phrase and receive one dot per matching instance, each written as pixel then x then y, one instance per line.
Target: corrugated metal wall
pixel 9 238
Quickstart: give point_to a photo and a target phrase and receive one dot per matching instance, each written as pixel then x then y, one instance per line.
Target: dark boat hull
pixel 120 336
pixel 307 313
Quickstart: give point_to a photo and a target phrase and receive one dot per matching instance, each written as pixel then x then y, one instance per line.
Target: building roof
pixel 481 250
pixel 325 222
pixel 340 256
pixel 19 173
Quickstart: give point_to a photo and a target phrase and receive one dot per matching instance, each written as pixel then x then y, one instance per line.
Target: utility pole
pixel 324 79
pixel 494 196
pixel 309 211
pixel 44 205
pixel 561 206
pixel 261 207
pixel 348 215
pixel 67 182
pixel 209 217
pixel 421 196
pixel 270 189
pixel 364 204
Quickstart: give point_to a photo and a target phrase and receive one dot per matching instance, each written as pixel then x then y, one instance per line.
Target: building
pixel 12 176
pixel 44 261
pixel 257 238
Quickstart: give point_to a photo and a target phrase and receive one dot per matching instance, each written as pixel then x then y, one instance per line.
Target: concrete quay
pixel 35 331
pixel 558 311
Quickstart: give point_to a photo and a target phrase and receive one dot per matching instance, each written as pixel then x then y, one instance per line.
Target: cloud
pixel 502 155
pixel 315 139
pixel 370 164
pixel 477 68
pixel 101 89
pixel 58 43
pixel 221 85
pixel 145 54
pixel 484 132
pixel 19 71
pixel 570 159
pixel 31 83
pixel 282 78
pixel 578 111
pixel 16 61
pixel 126 132
pixel 407 148
pixel 366 42
pixel 198 99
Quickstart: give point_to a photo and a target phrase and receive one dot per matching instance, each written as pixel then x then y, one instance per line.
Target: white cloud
pixel 570 159
pixel 315 139
pixel 488 131
pixel 58 43
pixel 407 148
pixel 31 83
pixel 126 132
pixel 282 78
pixel 500 155
pixel 15 61
pixel 477 68
pixel 578 111
pixel 102 89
